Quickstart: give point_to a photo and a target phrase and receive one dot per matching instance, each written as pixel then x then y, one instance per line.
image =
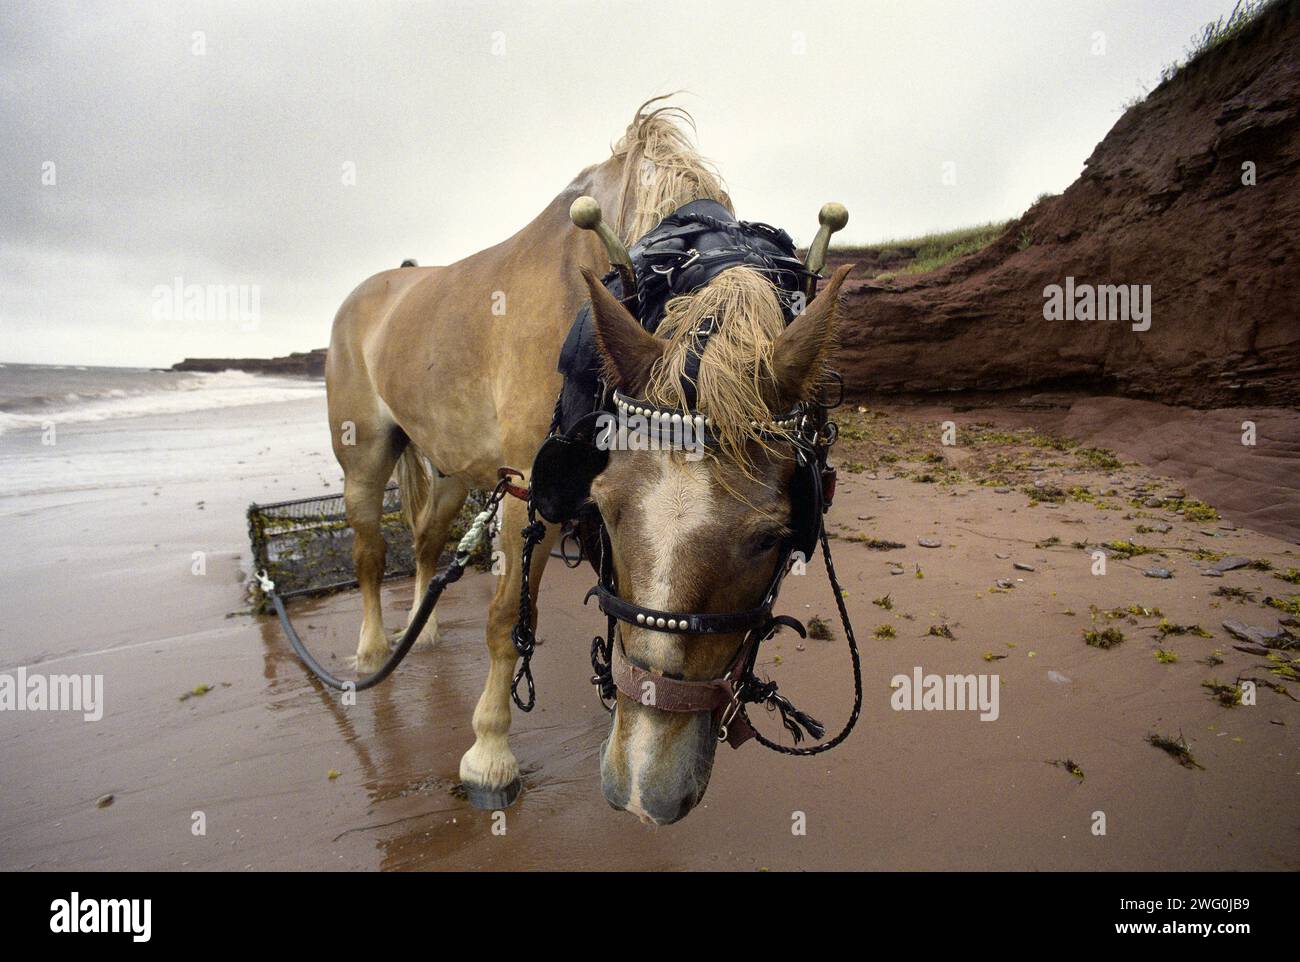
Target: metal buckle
pixel 708 326
pixel 729 713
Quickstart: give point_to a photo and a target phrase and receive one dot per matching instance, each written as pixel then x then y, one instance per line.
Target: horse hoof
pixel 492 799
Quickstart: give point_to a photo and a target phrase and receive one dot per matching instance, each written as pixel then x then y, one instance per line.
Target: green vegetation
pixel 1239 595
pixel 1166 628
pixel 1070 766
pixel 1290 605
pixel 920 255
pixel 1105 639
pixel 875 544
pixel 1229 696
pixel 1125 549
pixel 1176 748
pixel 1215 33
pixel 885 631
pixel 818 629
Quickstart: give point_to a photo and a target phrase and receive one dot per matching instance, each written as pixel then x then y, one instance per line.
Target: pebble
pixel 929 543
pixel 1057 677
pixel 1001 490
pixel 1004 557
pixel 1153 502
pixel 104 801
pixel 1258 635
pixel 1229 564
pixel 1021 566
pixel 1162 528
pixel 1004 583
pixel 1158 573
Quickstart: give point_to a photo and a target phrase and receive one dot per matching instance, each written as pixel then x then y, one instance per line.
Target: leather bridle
pixel 723 697
pixel 570 457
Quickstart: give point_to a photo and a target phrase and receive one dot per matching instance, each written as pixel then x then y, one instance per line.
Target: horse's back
pixel 362 316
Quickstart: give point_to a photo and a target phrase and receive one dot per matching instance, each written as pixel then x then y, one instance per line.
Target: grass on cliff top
pixel 930 251
pixel 1217 32
pixel 1211 35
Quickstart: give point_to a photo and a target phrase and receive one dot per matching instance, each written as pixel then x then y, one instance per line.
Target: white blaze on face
pixel 676 509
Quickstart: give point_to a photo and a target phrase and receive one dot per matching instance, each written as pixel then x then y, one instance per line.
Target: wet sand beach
pixel 98 577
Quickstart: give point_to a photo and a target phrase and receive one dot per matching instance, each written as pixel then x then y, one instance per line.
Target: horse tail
pixel 413 482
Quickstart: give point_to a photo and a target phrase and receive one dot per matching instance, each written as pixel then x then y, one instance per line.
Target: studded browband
pixel 661 419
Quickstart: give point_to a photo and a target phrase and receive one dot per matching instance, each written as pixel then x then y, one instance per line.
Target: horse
pixel 445 374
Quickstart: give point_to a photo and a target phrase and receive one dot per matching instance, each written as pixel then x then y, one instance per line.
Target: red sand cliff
pixel 1161 202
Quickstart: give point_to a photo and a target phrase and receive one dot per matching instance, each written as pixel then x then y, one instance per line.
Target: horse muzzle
pixel 656 764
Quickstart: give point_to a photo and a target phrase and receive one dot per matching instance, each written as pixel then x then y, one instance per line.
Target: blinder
pixel 564 467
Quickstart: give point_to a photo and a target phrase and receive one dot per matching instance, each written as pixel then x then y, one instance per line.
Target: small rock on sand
pixel 1021 566
pixel 1229 564
pixel 104 801
pixel 929 543
pixel 1158 573
pixel 1057 677
pixel 1259 636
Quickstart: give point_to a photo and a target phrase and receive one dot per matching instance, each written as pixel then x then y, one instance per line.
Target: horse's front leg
pixel 488 771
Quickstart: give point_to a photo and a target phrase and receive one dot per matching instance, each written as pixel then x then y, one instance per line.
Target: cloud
pixel 208 141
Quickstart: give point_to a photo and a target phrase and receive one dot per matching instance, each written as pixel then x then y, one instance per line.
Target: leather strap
pixel 667 694
pixel 680 695
pixel 680 622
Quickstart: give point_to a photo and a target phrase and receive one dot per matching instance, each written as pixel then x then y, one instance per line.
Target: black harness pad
pixel 563 470
pixel 689 248
pixel 807 503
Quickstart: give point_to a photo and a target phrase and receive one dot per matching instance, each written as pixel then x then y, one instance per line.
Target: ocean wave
pixel 197 392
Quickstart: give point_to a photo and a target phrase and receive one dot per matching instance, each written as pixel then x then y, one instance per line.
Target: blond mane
pixel 662 170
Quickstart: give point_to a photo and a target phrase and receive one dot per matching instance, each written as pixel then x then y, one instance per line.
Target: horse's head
pixel 698 534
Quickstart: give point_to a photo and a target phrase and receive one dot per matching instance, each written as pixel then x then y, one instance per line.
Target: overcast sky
pixel 141 142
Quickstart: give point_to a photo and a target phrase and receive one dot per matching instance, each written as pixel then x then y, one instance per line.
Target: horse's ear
pixel 800 352
pixel 627 350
